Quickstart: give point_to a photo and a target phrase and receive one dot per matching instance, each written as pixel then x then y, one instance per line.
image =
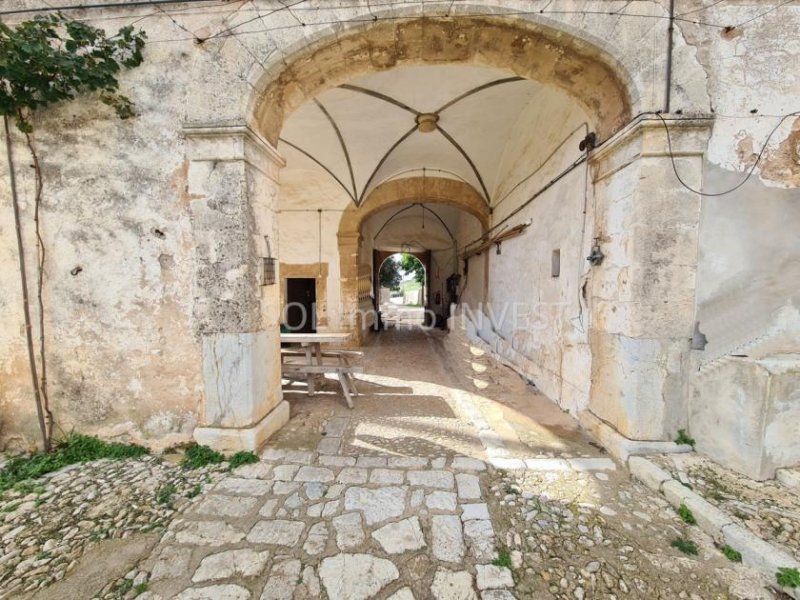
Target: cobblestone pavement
pixel 426 490
pixel 47 524
pixel 769 509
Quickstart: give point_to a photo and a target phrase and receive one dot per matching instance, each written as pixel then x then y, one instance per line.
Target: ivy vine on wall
pixel 44 61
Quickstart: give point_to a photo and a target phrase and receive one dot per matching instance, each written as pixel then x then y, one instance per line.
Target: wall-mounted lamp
pixel 596 257
pixel 268 277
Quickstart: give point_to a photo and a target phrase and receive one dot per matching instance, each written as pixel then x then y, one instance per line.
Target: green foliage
pixel 503 559
pixel 195 491
pixel 51 58
pixel 684 546
pixel 683 438
pixel 685 513
pixel 242 458
pixel 390 275
pixel 731 554
pixel 165 493
pixel 411 264
pixel 198 456
pixel 788 577
pixel 75 448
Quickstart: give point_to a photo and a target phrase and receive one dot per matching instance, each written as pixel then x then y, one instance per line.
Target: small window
pixel 555 263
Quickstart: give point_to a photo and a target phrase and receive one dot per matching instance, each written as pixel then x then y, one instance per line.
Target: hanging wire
pixel 319 240
pixel 749 173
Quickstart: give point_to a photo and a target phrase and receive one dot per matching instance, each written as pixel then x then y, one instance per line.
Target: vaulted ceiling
pixel 372 129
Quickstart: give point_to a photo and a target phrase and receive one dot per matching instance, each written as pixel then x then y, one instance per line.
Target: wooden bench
pixel 308 347
pixel 344 373
pixel 343 355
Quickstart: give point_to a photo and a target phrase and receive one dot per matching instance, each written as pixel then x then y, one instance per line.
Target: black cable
pixel 749 173
pixel 701 9
pixel 127 4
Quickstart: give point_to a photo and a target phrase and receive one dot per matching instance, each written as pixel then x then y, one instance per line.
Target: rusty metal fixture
pixel 596 257
pixel 268 277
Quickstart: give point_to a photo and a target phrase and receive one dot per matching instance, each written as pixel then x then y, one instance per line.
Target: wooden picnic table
pixel 314 366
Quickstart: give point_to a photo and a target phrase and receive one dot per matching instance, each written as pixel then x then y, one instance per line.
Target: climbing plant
pixel 44 61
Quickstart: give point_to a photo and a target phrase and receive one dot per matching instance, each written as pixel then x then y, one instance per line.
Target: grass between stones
pixel 684 439
pixel 685 546
pixel 503 559
pixel 731 554
pixel 686 515
pixel 242 457
pixel 197 456
pixel 75 448
pixel 788 577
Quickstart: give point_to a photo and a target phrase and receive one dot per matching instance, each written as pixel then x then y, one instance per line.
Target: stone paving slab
pixel 351 527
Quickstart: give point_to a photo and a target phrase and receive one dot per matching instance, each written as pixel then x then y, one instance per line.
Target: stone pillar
pixel 349 251
pixel 232 193
pixel 643 294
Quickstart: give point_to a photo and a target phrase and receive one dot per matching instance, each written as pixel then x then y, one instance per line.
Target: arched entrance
pixel 402 287
pixel 356 272
pixel 527 49
pixel 609 337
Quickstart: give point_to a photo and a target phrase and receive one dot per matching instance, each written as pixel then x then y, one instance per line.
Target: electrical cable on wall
pixel 749 173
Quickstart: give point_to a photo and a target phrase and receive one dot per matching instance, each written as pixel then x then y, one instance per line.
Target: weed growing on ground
pixel 198 456
pixel 194 492
pixel 685 546
pixel 788 577
pixel 685 513
pixel 75 448
pixel 140 588
pixel 503 559
pixel 731 554
pixel 242 458
pixel 684 439
pixel 165 493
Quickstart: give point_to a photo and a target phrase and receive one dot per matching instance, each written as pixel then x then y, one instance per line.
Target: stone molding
pixel 233 142
pixel 644 138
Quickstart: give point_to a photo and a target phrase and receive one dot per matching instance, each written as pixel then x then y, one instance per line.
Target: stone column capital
pixel 647 138
pixel 232 142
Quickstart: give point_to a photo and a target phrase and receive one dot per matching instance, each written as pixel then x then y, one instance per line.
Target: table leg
pixel 309 362
pixel 345 389
pixel 318 353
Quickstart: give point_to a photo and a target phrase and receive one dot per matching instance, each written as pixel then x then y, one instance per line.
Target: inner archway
pixel 402 287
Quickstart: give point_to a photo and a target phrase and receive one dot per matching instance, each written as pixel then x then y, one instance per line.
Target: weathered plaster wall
pixel 123 351
pixel 472 285
pixel 532 318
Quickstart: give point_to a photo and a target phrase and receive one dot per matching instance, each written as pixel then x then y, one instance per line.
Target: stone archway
pixel 528 49
pixel 355 281
pixel 636 340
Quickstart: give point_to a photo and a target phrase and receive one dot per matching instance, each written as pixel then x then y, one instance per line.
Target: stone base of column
pixel 621 447
pixel 251 438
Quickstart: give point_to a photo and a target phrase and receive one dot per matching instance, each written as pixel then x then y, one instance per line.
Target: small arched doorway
pixel 402 288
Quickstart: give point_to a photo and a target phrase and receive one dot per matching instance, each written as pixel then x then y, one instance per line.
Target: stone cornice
pixel 236 134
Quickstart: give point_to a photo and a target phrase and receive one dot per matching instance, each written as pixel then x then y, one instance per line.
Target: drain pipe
pixel 670 31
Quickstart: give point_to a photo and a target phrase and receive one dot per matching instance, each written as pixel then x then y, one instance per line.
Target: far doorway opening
pixel 300 314
pixel 403 286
